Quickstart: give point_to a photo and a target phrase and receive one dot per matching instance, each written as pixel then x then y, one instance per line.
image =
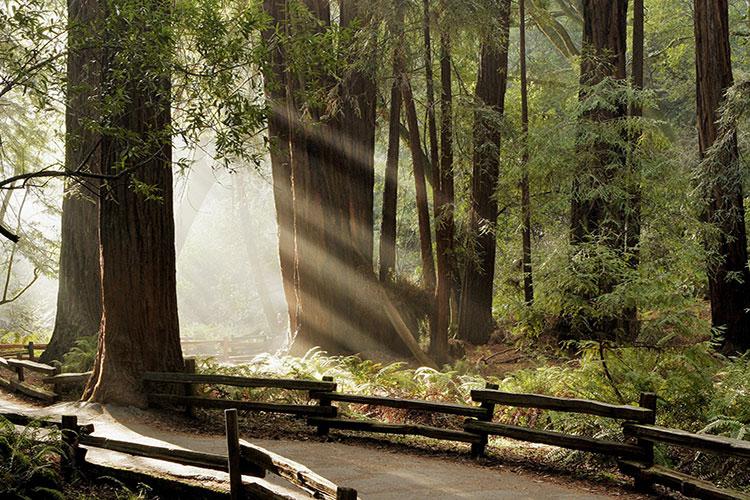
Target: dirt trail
pixel 375 473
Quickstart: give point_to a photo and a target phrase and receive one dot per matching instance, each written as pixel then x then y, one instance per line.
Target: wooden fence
pixel 241 459
pixel 635 452
pixel 23 361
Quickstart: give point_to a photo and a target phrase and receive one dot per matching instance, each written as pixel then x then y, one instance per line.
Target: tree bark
pixel 475 322
pixel 528 282
pixel 444 199
pixel 423 211
pixel 79 291
pixel 332 172
pixel 595 218
pixel 275 85
pixel 387 250
pixel 728 276
pixel 139 330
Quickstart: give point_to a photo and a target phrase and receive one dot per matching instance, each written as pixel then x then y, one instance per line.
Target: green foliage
pixel 81 357
pixel 29 463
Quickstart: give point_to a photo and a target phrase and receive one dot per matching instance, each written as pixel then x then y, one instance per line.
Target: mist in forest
pixel 228 276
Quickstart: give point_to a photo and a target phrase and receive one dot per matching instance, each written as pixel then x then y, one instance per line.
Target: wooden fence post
pixel 189 388
pixel 69 431
pixel 30 349
pixel 56 386
pixel 343 493
pixel 647 400
pixel 233 454
pixel 477 449
pixel 323 401
pixel 19 371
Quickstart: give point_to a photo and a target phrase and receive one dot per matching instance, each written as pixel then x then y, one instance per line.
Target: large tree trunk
pixel 475 322
pixel 444 224
pixel 728 276
pixel 332 173
pixel 601 164
pixel 79 292
pixel 275 84
pixel 139 330
pixel 528 282
pixel 387 249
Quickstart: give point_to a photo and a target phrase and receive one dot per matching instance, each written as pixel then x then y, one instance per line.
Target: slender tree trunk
pixel 275 85
pixel 633 211
pixel 728 276
pixel 140 329
pixel 528 283
pixel 387 264
pixel 423 211
pixel 475 322
pixel 595 218
pixel 79 291
pixel 444 225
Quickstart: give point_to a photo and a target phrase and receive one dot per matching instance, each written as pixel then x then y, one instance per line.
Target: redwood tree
pixel 387 248
pixel 528 282
pixel 444 200
pixel 475 322
pixel 79 292
pixel 728 276
pixel 139 330
pixel 597 216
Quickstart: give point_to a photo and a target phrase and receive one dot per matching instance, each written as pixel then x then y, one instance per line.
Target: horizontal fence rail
pixel 570 405
pixel 704 442
pixel 580 443
pixel 407 404
pixel 278 383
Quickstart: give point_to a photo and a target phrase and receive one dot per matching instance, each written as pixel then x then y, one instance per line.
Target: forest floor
pixel 377 469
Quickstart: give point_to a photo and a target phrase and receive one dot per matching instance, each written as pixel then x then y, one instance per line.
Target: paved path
pixel 375 473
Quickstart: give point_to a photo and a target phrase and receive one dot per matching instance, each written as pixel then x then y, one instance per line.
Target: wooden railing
pixel 242 458
pixel 635 451
pixel 648 473
pixel 24 361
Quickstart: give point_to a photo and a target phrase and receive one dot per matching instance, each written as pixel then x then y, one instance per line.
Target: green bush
pixel 29 463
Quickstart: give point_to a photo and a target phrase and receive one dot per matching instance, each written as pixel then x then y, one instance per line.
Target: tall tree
pixel 596 216
pixel 79 291
pixel 419 162
pixel 275 85
pixel 139 329
pixel 475 322
pixel 728 275
pixel 387 248
pixel 444 201
pixel 528 283
pixel 332 172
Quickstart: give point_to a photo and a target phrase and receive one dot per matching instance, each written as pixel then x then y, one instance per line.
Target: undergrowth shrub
pixel 29 463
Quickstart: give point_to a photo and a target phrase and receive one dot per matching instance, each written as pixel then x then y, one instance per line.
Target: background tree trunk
pixel 423 210
pixel 140 329
pixel 595 218
pixel 475 322
pixel 528 282
pixel 79 291
pixel 387 251
pixel 729 279
pixel 444 223
pixel 275 85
